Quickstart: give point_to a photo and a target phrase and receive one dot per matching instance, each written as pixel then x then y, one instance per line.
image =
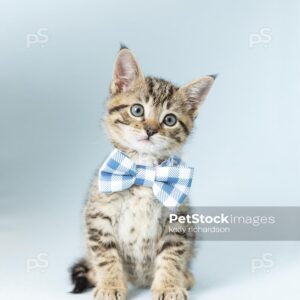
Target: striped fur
pixel 128 234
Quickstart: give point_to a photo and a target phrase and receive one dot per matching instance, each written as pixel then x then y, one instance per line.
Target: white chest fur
pixel 138 229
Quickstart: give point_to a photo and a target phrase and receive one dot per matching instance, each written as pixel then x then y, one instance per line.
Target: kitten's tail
pixel 80 276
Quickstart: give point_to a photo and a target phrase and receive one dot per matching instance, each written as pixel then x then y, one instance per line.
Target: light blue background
pixel 246 144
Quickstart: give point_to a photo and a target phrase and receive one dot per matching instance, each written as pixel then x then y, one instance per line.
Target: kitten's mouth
pixel 144 139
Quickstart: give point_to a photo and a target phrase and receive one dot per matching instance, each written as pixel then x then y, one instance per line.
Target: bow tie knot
pixel 170 181
pixel 145 176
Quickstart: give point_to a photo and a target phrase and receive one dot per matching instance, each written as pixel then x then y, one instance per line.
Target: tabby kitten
pixel 128 233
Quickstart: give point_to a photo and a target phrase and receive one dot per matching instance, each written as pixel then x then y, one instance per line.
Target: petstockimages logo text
pixel 222 219
pixel 234 223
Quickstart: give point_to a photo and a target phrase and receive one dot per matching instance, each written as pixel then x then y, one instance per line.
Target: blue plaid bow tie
pixel 170 181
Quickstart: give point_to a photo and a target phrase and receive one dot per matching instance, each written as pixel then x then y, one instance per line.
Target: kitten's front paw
pixel 110 294
pixel 175 293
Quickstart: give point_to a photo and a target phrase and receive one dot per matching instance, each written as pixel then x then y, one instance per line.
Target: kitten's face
pixel 150 115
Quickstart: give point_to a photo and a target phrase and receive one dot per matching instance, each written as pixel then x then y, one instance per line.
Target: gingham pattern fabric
pixel 170 181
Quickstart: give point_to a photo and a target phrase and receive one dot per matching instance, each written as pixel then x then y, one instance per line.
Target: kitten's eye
pixel 137 110
pixel 170 120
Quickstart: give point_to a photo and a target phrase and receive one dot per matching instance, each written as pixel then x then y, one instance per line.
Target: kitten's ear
pixel 196 91
pixel 126 72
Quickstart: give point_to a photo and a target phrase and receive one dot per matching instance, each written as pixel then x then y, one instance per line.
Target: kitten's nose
pixel 150 131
